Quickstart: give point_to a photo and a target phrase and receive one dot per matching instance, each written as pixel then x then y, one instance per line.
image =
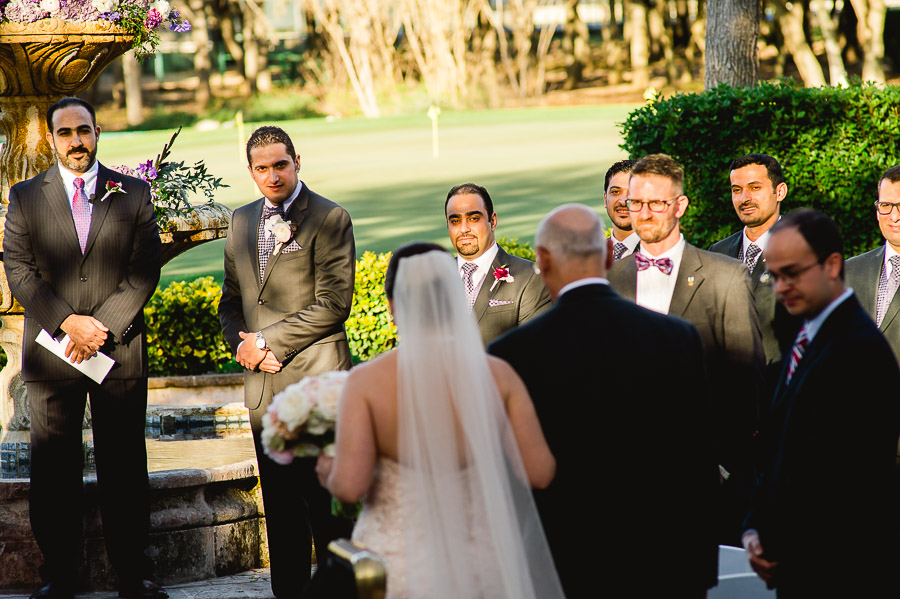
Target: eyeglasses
pixel 788 278
pixel 885 208
pixel 653 205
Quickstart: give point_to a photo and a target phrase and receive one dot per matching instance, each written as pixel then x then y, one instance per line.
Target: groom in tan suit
pixel 282 311
pixel 503 291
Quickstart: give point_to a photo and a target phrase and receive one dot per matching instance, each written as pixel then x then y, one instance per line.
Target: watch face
pixel 260 342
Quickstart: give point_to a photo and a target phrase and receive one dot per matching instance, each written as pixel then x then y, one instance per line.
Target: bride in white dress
pixel 444 443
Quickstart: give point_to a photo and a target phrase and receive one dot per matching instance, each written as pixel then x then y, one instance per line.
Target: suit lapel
pixel 57 204
pixel 252 232
pixel 688 281
pixel 296 214
pixel 485 293
pixel 625 282
pixel 99 209
pixel 871 273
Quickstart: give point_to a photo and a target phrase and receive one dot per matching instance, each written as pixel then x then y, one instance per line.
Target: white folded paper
pixel 96 367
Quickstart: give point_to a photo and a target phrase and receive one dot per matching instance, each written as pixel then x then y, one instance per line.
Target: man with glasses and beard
pixel 875 275
pixel 713 293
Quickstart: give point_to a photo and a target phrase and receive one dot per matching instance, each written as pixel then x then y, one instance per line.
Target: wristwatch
pixel 261 341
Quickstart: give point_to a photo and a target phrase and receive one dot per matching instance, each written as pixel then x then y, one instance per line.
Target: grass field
pixel 383 171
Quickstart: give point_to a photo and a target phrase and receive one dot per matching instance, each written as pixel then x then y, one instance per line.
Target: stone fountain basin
pixel 207 516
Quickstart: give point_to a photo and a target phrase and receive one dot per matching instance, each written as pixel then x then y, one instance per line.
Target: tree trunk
pixel 732 30
pixel 575 45
pixel 791 24
pixel 870 30
pixel 665 40
pixel 640 43
pixel 837 74
pixel 134 98
pixel 202 58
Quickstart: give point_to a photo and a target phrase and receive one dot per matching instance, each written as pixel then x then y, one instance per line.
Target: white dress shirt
pixel 653 287
pixel 582 283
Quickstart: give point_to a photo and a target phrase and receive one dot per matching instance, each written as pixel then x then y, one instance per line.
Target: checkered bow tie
pixel 665 265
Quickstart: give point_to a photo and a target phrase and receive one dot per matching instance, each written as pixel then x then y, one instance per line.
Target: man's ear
pixel 493 221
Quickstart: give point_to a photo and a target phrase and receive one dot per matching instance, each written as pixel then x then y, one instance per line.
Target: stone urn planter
pixel 40 63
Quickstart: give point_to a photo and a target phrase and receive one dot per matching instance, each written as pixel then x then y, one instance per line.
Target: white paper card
pixel 96 367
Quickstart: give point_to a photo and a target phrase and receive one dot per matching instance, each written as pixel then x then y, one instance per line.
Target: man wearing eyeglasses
pixel 875 276
pixel 823 521
pixel 712 291
pixel 757 190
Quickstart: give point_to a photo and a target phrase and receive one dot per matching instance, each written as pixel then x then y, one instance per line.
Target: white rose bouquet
pixel 300 420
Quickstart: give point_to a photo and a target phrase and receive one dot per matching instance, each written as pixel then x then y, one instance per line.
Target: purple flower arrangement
pixel 140 18
pixel 171 183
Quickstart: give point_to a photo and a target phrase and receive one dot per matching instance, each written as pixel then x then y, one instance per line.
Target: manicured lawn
pixel 384 173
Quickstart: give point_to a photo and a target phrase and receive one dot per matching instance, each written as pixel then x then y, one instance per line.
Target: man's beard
pixel 471 247
pixel 752 220
pixel 77 166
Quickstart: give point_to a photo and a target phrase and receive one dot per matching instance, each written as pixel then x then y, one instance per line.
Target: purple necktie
pixel 81 212
pixel 665 265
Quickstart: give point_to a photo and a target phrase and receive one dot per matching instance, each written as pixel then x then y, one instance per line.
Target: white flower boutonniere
pixel 111 188
pixel 282 230
pixel 501 273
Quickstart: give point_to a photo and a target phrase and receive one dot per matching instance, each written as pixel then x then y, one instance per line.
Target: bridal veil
pixel 470 524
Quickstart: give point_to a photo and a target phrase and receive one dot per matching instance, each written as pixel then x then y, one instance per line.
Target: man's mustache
pixel 78 149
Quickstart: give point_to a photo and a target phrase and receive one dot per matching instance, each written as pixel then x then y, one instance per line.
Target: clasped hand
pixel 86 336
pixel 252 358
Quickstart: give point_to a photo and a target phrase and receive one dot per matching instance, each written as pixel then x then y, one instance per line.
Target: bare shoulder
pixel 372 373
pixel 504 375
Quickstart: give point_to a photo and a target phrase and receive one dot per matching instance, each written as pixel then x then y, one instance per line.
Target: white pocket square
pixel 496 302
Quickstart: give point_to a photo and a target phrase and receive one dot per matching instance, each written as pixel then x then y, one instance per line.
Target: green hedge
pixel 183 331
pixel 833 144
pixel 370 329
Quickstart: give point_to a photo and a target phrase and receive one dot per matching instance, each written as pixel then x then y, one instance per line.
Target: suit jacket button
pixel 84 279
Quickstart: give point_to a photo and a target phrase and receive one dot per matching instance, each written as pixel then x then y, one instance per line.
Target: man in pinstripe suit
pixel 83 260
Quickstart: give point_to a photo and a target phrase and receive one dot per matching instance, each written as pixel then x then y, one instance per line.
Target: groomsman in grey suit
pixel 875 275
pixel 503 291
pixel 711 291
pixel 82 255
pixel 757 190
pixel 615 191
pixel 286 296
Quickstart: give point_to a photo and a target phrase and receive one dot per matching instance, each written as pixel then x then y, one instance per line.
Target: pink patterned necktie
pixel 81 212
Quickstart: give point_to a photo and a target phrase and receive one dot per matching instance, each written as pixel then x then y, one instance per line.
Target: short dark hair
pixel 410 249
pixel 473 189
pixel 662 165
pixel 892 175
pixel 622 166
pixel 65 103
pixel 773 168
pixel 818 230
pixel 266 136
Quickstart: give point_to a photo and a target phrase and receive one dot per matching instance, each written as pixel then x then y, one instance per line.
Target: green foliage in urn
pixel 370 329
pixel 183 331
pixel 513 247
pixel 833 144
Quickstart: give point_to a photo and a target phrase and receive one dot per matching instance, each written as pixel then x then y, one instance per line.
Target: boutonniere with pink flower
pixel 501 273
pixel 281 229
pixel 111 188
